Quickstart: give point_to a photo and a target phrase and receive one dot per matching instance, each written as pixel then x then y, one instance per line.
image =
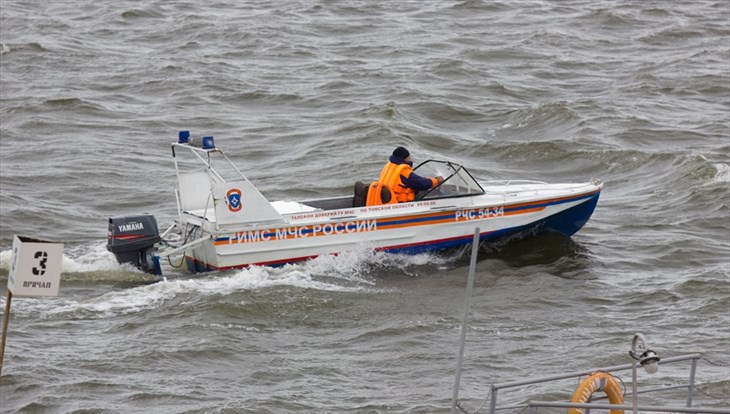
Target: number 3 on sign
pixel 42 258
pixel 36 269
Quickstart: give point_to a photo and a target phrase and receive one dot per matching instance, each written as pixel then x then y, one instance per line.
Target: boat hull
pixel 408 229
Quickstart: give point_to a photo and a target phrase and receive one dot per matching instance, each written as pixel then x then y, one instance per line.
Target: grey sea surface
pixel 308 97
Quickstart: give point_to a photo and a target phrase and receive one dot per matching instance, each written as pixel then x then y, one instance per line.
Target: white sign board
pixel 35 268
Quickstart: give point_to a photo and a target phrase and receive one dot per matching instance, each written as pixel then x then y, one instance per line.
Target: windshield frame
pixel 456 170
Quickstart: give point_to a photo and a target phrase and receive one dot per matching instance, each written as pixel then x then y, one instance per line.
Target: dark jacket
pixel 414 181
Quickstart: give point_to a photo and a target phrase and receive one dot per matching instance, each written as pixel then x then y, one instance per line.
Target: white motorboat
pixel 224 222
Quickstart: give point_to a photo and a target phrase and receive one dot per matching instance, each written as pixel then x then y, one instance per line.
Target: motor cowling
pixel 132 239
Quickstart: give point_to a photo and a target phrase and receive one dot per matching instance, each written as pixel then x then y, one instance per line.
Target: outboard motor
pixel 132 240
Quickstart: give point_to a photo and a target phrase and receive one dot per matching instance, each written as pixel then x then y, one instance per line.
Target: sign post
pixel 5 328
pixel 35 270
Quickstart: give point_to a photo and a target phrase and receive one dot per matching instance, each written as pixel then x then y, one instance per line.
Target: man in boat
pixel 399 176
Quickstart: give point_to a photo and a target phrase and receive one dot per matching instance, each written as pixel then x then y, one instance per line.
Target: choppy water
pixel 309 96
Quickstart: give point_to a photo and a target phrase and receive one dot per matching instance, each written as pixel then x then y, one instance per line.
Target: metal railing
pixel 648 359
pixel 534 405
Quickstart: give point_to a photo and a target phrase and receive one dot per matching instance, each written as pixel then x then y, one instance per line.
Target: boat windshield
pixel 457 180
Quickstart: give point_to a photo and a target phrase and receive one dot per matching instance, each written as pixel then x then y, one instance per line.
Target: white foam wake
pixel 347 272
pixel 723 174
pixel 78 259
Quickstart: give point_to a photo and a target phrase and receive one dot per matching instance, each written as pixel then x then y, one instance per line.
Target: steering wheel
pixel 431 190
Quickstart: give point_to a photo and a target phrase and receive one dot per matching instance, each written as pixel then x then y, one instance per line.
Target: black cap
pixel 401 152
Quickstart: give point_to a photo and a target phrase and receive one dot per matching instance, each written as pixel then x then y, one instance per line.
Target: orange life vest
pixel 379 194
pixel 382 191
pixel 389 189
pixel 390 176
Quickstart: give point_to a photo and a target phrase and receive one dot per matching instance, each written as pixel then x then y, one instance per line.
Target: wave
pixel 139 14
pixel 88 263
pixel 722 174
pixel 132 291
pixel 74 104
pixel 610 18
pixel 32 47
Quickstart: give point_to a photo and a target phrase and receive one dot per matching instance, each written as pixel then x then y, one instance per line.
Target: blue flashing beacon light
pixel 208 142
pixel 183 137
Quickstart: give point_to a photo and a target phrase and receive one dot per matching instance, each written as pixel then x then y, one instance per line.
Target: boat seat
pixel 360 199
pixel 361 194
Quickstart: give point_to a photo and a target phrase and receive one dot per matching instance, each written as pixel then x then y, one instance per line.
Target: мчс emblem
pixel 234 200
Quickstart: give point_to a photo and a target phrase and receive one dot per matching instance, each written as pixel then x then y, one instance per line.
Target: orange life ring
pixel 598 381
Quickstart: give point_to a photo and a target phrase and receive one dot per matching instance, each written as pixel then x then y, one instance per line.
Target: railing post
pixel 467 310
pixel 690 389
pixel 493 402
